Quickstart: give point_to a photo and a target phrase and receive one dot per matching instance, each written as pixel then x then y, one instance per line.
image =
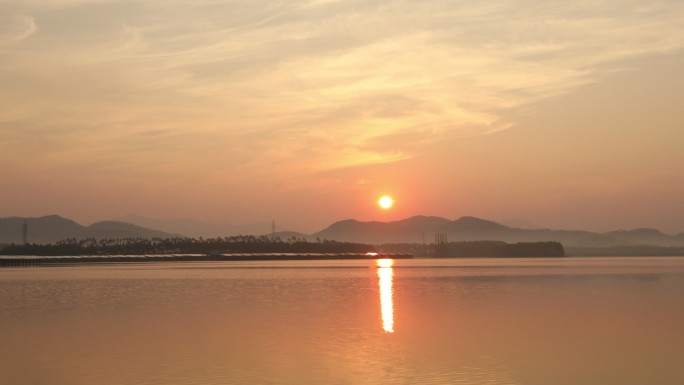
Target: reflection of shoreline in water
pixel 385 273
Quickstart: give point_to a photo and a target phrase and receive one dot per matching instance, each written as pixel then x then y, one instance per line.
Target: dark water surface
pixel 425 321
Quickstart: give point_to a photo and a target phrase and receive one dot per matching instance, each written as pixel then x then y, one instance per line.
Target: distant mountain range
pixel 421 228
pixel 52 228
pixel 417 229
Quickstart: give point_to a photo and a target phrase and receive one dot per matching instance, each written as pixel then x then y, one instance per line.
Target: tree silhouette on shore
pixel 181 245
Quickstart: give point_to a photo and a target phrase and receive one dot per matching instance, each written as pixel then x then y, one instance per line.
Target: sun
pixel 386 202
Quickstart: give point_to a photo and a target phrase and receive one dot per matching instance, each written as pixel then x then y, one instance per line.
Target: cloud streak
pixel 299 86
pixel 15 28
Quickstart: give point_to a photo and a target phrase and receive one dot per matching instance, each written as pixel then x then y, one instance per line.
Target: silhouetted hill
pixel 476 225
pixel 645 236
pixel 53 228
pixel 408 230
pixel 419 228
pixel 45 229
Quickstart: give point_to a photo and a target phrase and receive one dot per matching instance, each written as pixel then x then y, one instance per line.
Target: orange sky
pixel 562 114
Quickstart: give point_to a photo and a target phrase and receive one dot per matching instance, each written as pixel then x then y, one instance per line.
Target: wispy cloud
pixel 15 28
pixel 302 85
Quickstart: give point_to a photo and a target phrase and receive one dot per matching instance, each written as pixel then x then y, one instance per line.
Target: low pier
pixel 33 261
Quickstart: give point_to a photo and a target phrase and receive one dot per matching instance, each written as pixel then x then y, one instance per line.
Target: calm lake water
pixel 425 321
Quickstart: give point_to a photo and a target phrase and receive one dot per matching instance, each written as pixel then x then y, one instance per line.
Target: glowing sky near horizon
pixel 562 113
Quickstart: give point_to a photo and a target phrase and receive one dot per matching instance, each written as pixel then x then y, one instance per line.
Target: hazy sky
pixel 561 113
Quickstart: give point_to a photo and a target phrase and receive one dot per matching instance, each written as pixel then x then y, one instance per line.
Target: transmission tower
pixel 441 245
pixel 24 233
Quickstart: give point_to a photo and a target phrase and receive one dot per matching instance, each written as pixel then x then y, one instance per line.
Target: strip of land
pixel 25 260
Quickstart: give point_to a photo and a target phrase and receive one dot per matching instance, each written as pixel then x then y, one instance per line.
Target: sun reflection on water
pixel 385 273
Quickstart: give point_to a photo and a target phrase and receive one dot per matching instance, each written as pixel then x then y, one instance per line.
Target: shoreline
pixel 31 260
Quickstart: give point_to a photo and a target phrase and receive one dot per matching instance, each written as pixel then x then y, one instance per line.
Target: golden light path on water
pixel 385 273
